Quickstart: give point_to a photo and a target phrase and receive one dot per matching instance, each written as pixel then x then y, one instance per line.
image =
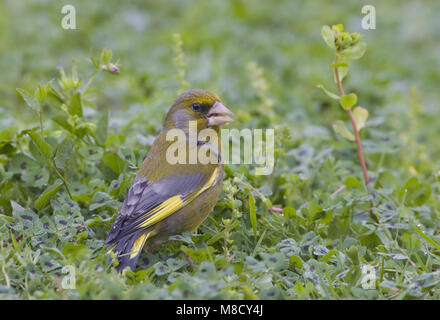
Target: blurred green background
pixel 220 37
pixel 397 80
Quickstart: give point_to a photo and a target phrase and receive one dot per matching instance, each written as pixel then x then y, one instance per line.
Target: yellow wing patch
pixel 138 244
pixel 173 204
pixel 111 248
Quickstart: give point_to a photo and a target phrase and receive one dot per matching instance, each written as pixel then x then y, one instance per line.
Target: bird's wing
pixel 149 202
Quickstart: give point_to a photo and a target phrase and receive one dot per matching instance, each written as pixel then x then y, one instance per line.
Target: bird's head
pixel 198 105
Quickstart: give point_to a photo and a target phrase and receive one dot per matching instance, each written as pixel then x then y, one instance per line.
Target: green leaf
pixel 426 237
pixel 30 99
pixel 7 138
pixel 342 71
pixel 102 128
pixel 185 237
pixel 7 147
pixel 338 65
pixel 215 238
pixel 62 121
pixel 50 191
pixel 325 258
pixel 40 94
pixel 106 55
pixel 8 133
pixel 91 153
pixel 35 177
pixel 55 94
pixel 101 199
pixel 360 117
pixel 296 262
pixel 20 162
pixel 42 146
pixel 340 128
pixel 198 255
pixel 347 101
pixel 36 153
pixel 75 107
pixel 114 162
pixel 386 180
pixel 127 155
pixel 356 51
pixel 414 192
pixel 249 294
pixel 327 35
pixel 338 26
pixel 352 182
pixel 289 212
pixel 95 62
pixel 73 249
pixel 353 254
pixel 64 153
pixel 253 214
pixel 16 207
pixel 327 92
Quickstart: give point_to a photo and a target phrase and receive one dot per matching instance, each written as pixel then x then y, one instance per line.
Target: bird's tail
pixel 128 249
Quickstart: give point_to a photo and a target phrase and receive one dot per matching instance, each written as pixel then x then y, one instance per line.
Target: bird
pixel 166 198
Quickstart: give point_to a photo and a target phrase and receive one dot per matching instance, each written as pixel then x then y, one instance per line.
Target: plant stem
pixel 62 178
pixel 92 77
pixel 8 283
pixel 353 122
pixel 41 120
pixel 359 148
pixel 357 139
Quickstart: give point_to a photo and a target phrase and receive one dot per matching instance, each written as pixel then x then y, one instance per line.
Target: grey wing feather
pixel 133 196
pixel 144 196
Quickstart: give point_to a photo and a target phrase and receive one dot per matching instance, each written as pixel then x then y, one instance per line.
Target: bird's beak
pixel 218 115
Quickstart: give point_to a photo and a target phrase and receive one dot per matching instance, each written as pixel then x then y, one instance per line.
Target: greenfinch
pixel 169 198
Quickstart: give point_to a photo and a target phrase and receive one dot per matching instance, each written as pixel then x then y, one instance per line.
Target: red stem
pixel 277 209
pixel 356 133
pixel 359 148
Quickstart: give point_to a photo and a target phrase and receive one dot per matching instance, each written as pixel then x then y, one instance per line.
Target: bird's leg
pixel 148 248
pixel 190 261
pixel 188 258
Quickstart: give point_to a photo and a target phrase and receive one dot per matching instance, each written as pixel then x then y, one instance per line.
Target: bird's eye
pixel 196 107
